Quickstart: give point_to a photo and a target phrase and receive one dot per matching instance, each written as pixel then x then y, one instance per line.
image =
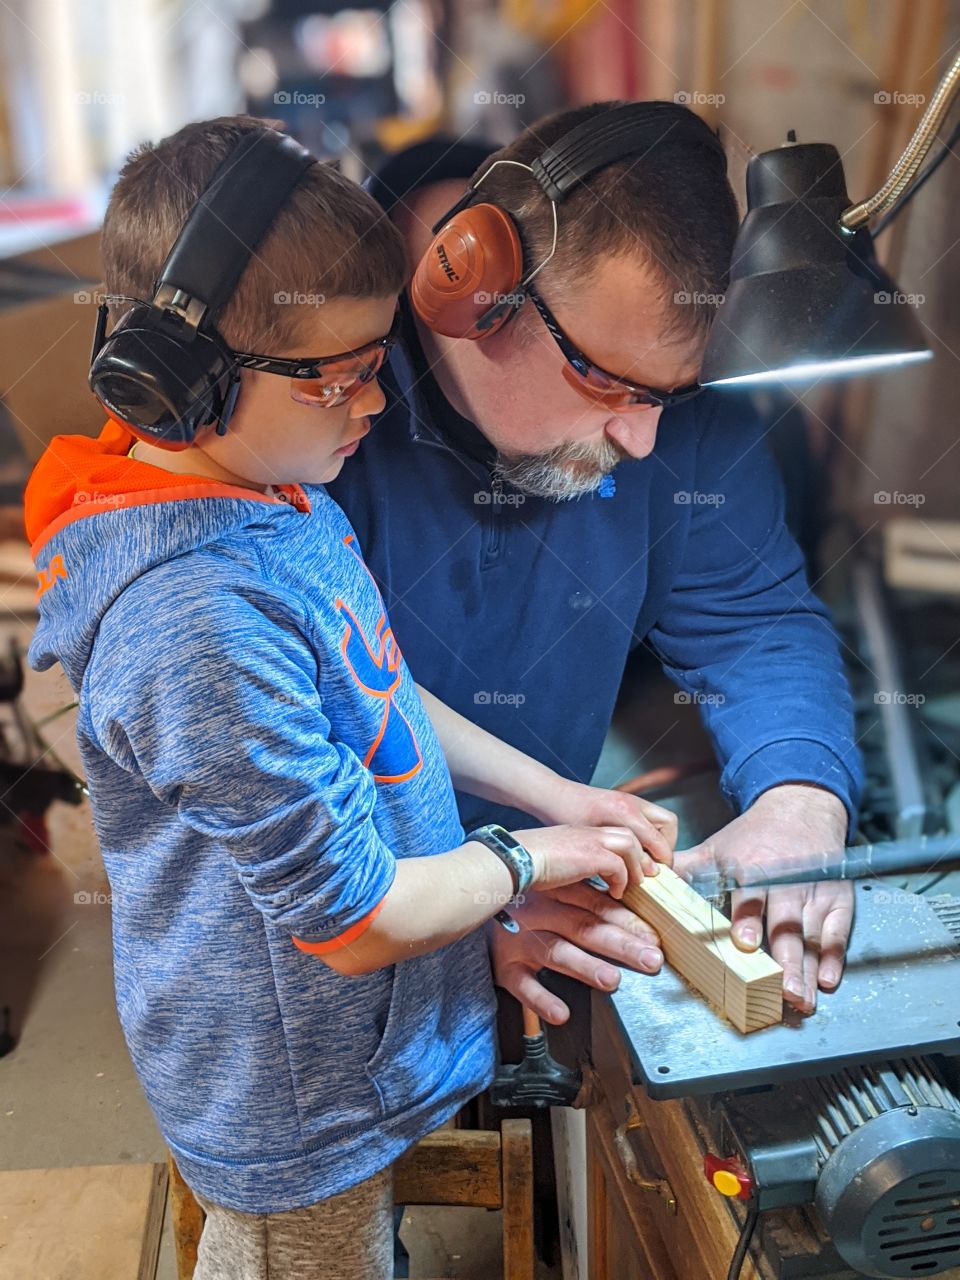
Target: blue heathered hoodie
pixel 258 758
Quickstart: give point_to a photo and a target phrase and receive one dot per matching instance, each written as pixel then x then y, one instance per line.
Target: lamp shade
pixel 806 298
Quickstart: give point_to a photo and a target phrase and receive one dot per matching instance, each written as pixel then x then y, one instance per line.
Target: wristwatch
pixel 510 851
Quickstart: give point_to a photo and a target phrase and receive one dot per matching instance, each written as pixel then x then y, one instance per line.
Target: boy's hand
pixel 567 855
pixel 578 805
pixel 577 931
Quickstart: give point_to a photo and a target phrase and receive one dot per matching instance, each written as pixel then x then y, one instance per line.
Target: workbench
pixel 652 1215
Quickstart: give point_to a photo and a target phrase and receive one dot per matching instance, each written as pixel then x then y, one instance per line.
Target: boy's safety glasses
pixel 328 380
pixel 597 385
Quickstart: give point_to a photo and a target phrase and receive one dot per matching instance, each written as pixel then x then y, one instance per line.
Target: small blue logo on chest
pixel 607 487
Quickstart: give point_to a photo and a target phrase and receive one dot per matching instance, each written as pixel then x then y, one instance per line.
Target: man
pixel 527 539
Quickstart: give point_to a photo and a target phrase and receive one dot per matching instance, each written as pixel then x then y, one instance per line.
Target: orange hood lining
pixel 81 476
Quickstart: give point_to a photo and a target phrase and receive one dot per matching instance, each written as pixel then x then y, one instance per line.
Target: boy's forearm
pixel 484 766
pixel 432 902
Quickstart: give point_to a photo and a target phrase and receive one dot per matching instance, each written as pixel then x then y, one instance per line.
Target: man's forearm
pixel 482 765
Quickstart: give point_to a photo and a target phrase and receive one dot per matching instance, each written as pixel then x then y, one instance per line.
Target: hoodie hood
pixel 97 519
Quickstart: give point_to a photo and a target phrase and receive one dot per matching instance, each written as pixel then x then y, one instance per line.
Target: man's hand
pixel 559 928
pixel 808 925
pixel 577 805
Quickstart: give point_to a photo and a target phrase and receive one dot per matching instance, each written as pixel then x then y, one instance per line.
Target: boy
pixel 275 812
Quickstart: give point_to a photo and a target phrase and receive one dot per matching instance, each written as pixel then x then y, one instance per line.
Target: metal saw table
pixel 900 995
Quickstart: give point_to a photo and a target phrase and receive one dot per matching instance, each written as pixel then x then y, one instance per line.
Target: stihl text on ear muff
pixel 165 371
pixel 470 279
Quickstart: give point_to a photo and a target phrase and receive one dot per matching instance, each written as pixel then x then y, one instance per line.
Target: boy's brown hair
pixel 330 240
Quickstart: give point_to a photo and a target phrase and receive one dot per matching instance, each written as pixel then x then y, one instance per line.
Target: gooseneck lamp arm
pixel 905 170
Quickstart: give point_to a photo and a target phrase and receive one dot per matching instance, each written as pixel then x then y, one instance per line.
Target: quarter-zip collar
pixel 415 384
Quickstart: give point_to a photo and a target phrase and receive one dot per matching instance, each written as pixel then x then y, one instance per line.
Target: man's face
pixel 551 440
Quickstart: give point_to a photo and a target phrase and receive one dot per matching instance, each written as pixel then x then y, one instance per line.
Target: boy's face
pixel 272 439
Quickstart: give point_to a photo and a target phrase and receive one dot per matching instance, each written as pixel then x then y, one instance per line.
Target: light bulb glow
pixel 822 369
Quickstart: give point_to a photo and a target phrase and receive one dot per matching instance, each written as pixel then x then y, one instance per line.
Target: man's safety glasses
pixel 328 380
pixel 596 384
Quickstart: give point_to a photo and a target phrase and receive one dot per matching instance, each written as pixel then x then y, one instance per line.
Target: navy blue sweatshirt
pixel 521 614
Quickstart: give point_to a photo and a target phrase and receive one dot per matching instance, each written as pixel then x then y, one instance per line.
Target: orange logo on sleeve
pixel 394 754
pixel 48 576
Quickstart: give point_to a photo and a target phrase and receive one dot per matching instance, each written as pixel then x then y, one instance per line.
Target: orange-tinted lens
pixel 340 382
pixel 593 386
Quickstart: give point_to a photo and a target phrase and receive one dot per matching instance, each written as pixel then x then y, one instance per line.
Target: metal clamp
pixel 628 1158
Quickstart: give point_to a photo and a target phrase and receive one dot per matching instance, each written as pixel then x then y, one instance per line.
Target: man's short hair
pixel 330 240
pixel 673 207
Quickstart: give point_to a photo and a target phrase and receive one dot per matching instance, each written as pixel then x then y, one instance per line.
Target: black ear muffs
pixel 165 371
pixel 163 388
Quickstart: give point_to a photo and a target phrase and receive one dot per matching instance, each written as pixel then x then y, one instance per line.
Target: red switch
pixel 728 1177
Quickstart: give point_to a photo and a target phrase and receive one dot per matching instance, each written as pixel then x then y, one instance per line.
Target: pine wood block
pixel 747 987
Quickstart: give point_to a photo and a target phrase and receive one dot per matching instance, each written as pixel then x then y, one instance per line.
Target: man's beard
pixel 567 471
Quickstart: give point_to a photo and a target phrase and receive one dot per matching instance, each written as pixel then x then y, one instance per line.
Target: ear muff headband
pixel 165 371
pixel 470 281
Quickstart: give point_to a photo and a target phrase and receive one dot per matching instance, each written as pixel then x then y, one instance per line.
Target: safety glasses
pixel 596 384
pixel 328 380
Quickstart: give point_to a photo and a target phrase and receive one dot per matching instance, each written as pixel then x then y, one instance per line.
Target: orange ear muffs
pixel 466 283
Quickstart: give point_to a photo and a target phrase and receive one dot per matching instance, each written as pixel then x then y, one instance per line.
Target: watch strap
pixel 510 851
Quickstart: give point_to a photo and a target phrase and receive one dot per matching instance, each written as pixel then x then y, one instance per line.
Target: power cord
pixel 743 1244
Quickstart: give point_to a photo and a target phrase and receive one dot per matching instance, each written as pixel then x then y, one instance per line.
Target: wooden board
pixel 922 555
pixel 747 987
pixel 517 1154
pixel 96 1223
pixel 451 1166
pixel 186 1220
